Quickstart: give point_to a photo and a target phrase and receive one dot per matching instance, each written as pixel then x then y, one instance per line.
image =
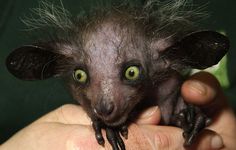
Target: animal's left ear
pixel 198 50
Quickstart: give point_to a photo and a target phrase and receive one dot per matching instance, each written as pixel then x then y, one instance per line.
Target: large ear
pixel 31 62
pixel 198 50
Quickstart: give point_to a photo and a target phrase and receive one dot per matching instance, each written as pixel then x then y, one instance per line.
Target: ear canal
pixel 199 49
pixel 32 62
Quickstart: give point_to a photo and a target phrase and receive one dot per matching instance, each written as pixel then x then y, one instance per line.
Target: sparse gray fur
pixel 163 13
pixel 48 15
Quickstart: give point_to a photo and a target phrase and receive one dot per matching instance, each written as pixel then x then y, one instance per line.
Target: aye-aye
pixel 122 59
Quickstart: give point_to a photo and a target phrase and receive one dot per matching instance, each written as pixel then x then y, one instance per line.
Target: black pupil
pixel 131 73
pixel 79 76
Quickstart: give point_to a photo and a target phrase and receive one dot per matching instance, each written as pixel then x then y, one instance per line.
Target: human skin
pixel 69 127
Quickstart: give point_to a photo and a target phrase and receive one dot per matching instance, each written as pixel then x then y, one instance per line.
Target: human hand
pixel 201 89
pixel 204 90
pixel 69 128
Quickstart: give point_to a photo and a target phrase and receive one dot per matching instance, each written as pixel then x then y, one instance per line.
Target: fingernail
pixel 197 87
pixel 149 112
pixel 216 142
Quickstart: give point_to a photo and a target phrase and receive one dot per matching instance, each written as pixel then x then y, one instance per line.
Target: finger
pixel 67 114
pixel 200 89
pixel 216 106
pixel 209 140
pixel 166 137
pixel 163 137
pixel 224 123
pixel 151 116
pixel 52 136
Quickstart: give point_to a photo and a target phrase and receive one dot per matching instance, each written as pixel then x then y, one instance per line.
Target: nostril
pixel 109 108
pixel 104 108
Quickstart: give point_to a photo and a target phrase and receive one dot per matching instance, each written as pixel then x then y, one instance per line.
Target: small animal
pixel 122 59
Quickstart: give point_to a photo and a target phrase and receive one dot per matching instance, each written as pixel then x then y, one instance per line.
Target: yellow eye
pixel 132 73
pixel 80 76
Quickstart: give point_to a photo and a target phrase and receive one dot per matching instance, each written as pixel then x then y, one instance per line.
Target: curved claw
pixel 189 139
pixel 114 139
pixel 100 139
pixel 192 121
pixel 201 121
pixel 124 131
pixel 208 121
pixel 120 141
pixel 98 133
pixel 112 134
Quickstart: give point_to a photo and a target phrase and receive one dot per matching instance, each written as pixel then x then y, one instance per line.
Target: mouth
pixel 115 120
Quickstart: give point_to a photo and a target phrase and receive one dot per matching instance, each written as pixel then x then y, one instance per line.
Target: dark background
pixel 21 102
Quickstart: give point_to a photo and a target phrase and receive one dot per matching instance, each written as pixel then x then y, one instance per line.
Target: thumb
pixel 151 116
pixel 200 89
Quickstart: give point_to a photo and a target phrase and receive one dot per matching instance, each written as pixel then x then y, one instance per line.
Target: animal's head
pixel 105 59
pixel 110 78
pixel 103 64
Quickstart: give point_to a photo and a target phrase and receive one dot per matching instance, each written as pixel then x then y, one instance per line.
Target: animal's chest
pixel 166 95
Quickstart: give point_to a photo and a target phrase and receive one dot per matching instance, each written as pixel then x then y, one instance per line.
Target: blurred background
pixel 21 102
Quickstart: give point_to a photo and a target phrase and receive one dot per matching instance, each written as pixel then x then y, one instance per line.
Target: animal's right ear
pixel 32 62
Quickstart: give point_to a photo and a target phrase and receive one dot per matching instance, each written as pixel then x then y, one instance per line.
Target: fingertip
pixel 197 92
pixel 151 116
pixel 216 142
pixel 200 89
pixel 208 139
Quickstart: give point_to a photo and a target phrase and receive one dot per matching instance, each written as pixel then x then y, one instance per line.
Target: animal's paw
pixel 112 134
pixel 114 139
pixel 192 120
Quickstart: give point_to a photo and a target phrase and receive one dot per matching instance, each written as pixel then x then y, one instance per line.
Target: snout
pixel 110 112
pixel 104 109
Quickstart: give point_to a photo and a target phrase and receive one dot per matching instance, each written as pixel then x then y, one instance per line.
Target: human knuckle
pixel 162 141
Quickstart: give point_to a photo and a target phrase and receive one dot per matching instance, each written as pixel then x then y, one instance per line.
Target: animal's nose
pixel 104 108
